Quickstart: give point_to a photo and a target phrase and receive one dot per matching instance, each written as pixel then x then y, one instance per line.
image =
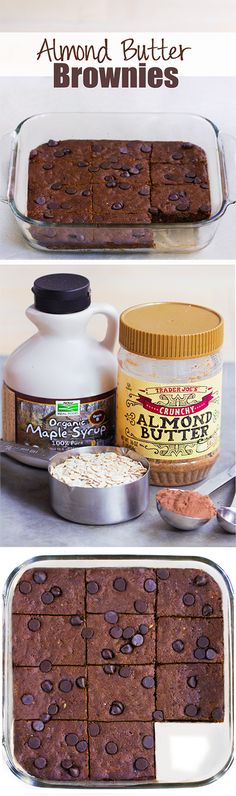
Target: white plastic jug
pixel 60 385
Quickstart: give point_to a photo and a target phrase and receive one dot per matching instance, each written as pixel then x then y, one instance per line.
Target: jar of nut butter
pixel 169 389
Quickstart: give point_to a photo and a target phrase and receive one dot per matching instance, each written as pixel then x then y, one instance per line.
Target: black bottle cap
pixel 61 294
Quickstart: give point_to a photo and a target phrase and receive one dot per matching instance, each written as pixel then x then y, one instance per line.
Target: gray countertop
pixel 28 520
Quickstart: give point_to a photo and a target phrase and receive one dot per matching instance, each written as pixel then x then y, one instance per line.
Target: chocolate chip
pixel 128 632
pixel 137 640
pixel 140 764
pixel 146 148
pixel 74 771
pixel 71 739
pixel 40 762
pixel 200 580
pixel 211 654
pixel 94 729
pixel 48 214
pixel 53 206
pixel 192 681
pixel 111 748
pixel 92 587
pixel 143 629
pixel 34 624
pixel 71 191
pixel 27 699
pixel 199 654
pixel 191 710
pixel 76 620
pixel 60 153
pixel 203 642
pixel 40 200
pixel 45 666
pixel 124 186
pixel 33 742
pixel 126 649
pixel 117 205
pixel 109 668
pixel 150 585
pixel 148 741
pixel 25 587
pixel 183 205
pixel 66 685
pixel 56 591
pixel 205 208
pixel 47 166
pixel 148 682
pixel 189 179
pixel 173 197
pixel 47 598
pixel 33 154
pixel 125 173
pixel 116 708
pixel 82 163
pixel 110 183
pixel 140 606
pixel 158 715
pixel 177 156
pixel 97 148
pixel 115 632
pixel 66 764
pixel 111 616
pixel 124 150
pixel 37 725
pixel 144 191
pixel 87 632
pixel 163 574
pixel 53 709
pixel 86 193
pixel 204 186
pixel 124 671
pixel 178 645
pixel 56 186
pixel 216 714
pixel 93 168
pixel 119 584
pixel 45 717
pixel 47 686
pixel 188 599
pixel 186 145
pixel 107 654
pixel 51 142
pixel 207 610
pixel 81 746
pixel 80 682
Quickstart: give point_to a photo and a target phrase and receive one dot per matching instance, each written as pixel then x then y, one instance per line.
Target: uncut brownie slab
pixel 50 590
pixel 64 686
pixel 127 590
pixel 54 638
pixel 56 751
pixel 130 637
pixel 125 692
pixel 183 640
pixel 190 692
pixel 122 754
pixel 187 592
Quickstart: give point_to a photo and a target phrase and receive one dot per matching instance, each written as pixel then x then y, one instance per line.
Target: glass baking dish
pixel 187 752
pixel 161 237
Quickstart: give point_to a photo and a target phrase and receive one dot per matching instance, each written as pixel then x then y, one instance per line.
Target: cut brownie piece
pixel 179 174
pixel 187 592
pixel 53 591
pixel 55 750
pixel 191 203
pixel 123 590
pixel 122 751
pixel 124 693
pixel 64 686
pixel 176 152
pixel 60 182
pixel 187 640
pixel 190 692
pixel 128 637
pixel 55 638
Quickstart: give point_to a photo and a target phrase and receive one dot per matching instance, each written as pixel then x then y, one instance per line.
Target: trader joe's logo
pixel 175 411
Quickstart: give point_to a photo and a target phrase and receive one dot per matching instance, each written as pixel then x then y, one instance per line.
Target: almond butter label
pixel 170 422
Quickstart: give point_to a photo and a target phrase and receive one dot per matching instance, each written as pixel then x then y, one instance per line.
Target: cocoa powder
pixel 188 503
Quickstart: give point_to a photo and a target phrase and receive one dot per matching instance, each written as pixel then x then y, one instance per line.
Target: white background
pixel 11 558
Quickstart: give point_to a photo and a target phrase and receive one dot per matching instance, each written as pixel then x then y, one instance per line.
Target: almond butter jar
pixel 169 389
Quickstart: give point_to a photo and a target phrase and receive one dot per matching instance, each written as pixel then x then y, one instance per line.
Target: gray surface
pixel 27 518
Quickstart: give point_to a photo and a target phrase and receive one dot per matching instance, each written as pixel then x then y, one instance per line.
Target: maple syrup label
pixel 59 423
pixel 170 422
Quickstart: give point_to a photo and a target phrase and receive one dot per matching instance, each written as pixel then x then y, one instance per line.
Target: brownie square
pixel 125 590
pixel 58 751
pixel 190 692
pixel 131 636
pixel 64 686
pixel 36 638
pixel 176 152
pixel 187 640
pixel 124 693
pixel 122 751
pixel 54 591
pixel 187 592
pixel 179 173
pixel 191 203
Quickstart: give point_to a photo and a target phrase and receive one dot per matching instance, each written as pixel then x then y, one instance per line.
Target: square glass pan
pixel 187 753
pixel 188 236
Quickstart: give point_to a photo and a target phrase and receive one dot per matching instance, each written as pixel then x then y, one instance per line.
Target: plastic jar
pixel 169 389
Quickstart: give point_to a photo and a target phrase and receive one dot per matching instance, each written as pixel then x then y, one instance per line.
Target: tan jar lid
pixel 171 330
